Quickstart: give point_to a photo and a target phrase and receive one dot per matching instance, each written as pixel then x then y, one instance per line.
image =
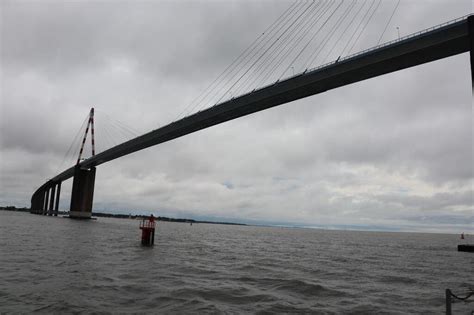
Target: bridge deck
pixel 436 43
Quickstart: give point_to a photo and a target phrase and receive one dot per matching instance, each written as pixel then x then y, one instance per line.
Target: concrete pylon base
pixel 82 193
pixel 80 215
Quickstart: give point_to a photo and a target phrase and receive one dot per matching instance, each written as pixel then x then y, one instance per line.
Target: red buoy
pixel 148 231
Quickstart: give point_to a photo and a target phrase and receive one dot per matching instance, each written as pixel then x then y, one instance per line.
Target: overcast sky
pixel 395 151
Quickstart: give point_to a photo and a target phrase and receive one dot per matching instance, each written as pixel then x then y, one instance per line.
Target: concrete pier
pixel 51 199
pixel 37 202
pixel 58 195
pixel 82 193
pixel 46 201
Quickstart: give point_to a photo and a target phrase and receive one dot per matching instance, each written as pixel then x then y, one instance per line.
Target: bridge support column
pixel 43 197
pixel 39 208
pixel 34 203
pixel 58 194
pixel 470 22
pixel 46 201
pixel 51 199
pixel 82 193
pixel 37 202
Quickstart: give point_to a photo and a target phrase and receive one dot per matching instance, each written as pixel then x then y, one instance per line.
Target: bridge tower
pixel 82 193
pixel 84 179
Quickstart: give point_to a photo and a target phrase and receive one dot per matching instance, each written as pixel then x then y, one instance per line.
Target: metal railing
pixel 451 298
pixel 146 224
pixel 424 31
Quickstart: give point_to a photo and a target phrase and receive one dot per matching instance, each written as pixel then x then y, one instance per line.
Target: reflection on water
pixel 55 264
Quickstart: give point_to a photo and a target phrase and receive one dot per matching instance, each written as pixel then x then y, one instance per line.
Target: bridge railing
pixel 424 31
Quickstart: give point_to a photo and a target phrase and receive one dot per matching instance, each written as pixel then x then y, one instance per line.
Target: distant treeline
pixel 13 208
pixel 159 218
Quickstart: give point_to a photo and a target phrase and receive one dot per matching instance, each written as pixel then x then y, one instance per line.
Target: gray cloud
pixel 386 151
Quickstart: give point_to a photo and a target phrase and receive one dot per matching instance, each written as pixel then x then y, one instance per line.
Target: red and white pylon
pixel 89 123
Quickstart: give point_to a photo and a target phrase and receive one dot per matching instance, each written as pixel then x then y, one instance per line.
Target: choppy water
pixel 60 265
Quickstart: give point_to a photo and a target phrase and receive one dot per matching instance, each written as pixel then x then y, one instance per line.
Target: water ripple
pixel 60 265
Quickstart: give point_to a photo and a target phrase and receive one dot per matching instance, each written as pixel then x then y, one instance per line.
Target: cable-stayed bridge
pixel 441 41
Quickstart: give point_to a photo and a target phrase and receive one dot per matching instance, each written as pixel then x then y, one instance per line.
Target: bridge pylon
pixel 84 178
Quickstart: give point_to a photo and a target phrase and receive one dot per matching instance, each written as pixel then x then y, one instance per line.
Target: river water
pixel 56 265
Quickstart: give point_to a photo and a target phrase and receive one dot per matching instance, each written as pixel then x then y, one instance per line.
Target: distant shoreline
pixel 129 216
pixel 158 218
pixel 366 228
